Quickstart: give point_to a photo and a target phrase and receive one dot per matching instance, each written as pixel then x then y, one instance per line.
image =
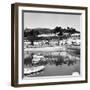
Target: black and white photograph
pixel 51 44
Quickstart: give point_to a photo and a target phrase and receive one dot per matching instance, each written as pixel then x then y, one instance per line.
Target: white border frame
pixel 34 80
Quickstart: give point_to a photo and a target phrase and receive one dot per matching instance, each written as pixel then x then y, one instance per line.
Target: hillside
pixel 38 31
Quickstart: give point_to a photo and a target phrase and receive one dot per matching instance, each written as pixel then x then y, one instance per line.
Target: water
pixel 59 63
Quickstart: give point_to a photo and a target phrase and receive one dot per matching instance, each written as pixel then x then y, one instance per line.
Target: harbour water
pixel 56 63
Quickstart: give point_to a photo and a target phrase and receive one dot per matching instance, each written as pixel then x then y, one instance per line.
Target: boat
pixel 37 58
pixel 28 71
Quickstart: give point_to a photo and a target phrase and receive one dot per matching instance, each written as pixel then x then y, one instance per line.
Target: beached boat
pixel 32 70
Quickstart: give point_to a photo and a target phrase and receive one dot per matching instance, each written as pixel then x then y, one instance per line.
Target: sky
pixel 51 20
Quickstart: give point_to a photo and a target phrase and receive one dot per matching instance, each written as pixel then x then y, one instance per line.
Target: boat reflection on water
pixel 51 64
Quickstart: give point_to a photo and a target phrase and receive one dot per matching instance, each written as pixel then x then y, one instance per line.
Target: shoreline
pixel 55 48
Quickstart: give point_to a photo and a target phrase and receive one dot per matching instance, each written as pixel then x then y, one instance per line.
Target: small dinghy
pixel 32 70
pixel 37 58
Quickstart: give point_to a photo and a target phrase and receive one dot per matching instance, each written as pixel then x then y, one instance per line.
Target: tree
pixel 32 36
pixel 58 31
pixel 73 30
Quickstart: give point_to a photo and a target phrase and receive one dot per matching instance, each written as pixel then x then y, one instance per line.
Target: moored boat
pixel 33 69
